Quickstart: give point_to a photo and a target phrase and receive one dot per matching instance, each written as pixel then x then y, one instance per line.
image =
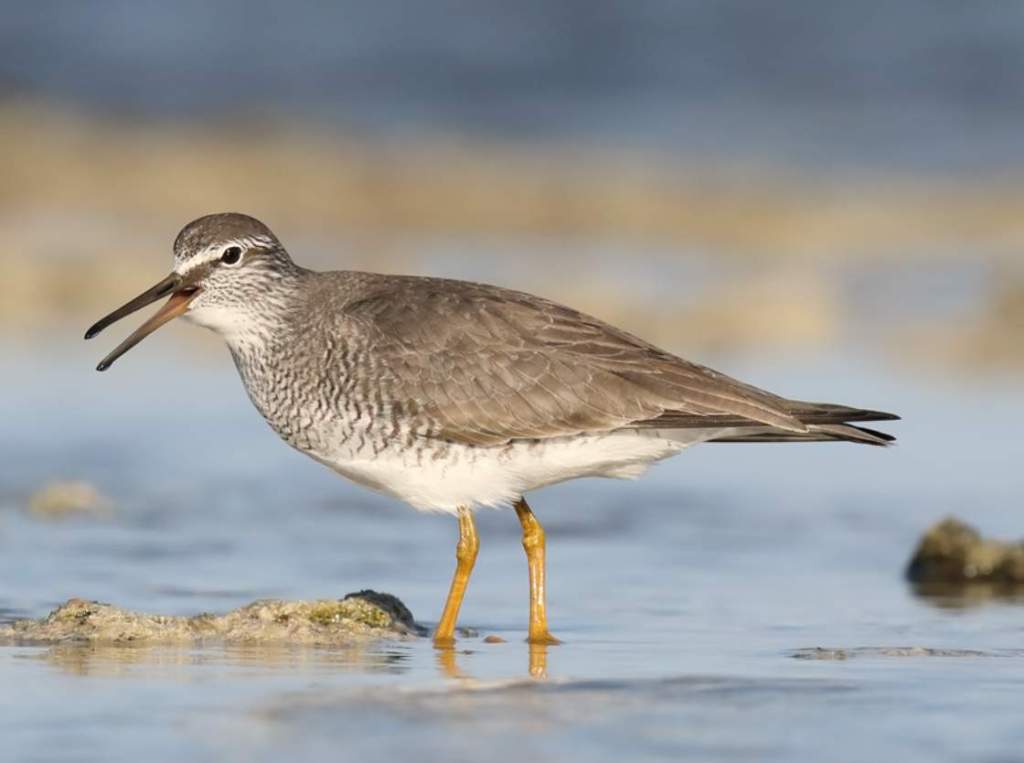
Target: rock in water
pixel 953 552
pixel 59 500
pixel 361 616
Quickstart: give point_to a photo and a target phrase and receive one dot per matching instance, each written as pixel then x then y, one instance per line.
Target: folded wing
pixel 485 366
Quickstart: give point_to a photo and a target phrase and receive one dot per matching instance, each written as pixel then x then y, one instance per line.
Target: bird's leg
pixel 465 556
pixel 533 544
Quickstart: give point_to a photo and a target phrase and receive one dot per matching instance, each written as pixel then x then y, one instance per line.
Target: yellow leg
pixel 533 544
pixel 465 557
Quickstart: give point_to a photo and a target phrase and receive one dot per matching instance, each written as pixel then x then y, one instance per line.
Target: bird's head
pixel 226 267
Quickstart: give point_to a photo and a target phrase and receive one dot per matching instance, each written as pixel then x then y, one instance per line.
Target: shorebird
pixel 451 395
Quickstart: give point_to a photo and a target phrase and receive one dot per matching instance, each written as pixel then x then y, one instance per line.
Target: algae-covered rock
pixel 58 500
pixel 358 617
pixel 952 552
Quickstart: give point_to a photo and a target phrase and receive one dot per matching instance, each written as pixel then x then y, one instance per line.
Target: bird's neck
pixel 250 325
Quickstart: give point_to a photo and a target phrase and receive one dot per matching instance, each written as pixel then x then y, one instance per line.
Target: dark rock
pixel 952 552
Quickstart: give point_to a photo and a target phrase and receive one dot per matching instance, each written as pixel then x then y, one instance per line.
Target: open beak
pixel 181 296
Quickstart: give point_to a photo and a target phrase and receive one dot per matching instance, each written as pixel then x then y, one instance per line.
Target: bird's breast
pixel 319 413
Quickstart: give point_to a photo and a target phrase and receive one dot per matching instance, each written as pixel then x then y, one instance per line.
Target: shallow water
pixel 686 601
pixel 895 85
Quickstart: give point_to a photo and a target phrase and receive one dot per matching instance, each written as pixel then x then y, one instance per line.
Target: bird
pixel 452 395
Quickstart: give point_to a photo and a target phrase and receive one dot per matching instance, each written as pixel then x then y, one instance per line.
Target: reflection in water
pixel 448 662
pixel 967 594
pixel 539 660
pixel 149 661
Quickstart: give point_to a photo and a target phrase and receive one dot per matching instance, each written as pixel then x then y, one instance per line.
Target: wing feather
pixel 486 366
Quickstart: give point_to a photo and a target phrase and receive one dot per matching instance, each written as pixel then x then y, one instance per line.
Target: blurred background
pixel 823 198
pixel 716 176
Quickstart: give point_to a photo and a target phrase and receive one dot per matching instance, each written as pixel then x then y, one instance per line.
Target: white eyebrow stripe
pixel 214 251
pixel 208 255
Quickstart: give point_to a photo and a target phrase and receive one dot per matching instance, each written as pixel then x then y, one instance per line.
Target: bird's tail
pixel 825 423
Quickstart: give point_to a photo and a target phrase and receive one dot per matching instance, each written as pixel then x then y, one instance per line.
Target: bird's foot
pixel 542 638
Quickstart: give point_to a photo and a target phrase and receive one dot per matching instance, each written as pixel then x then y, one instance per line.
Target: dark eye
pixel 231 255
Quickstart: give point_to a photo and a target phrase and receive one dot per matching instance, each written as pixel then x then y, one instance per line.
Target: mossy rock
pixel 359 617
pixel 953 552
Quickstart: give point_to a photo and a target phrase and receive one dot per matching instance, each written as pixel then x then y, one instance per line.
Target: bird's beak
pixel 181 295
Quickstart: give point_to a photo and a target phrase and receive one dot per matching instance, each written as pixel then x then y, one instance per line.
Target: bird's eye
pixel 231 255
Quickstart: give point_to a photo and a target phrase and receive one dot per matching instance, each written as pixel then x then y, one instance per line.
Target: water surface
pixel 901 84
pixel 684 600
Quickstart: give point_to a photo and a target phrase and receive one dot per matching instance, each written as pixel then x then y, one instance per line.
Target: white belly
pixel 475 477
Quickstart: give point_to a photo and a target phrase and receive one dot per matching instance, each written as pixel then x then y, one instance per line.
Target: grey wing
pixel 485 366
